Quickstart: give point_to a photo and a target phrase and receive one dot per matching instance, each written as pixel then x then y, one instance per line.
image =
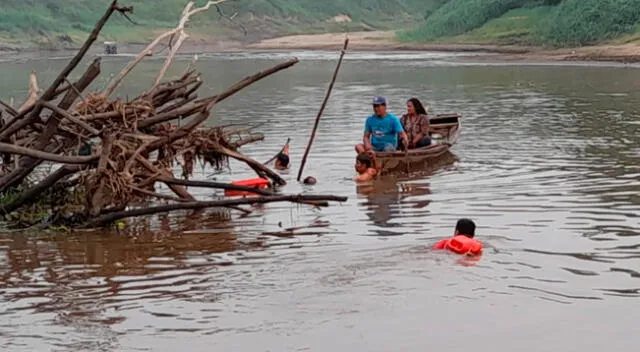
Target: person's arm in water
pixel 368 175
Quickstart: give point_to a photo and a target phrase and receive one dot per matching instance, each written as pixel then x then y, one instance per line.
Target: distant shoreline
pixel 374 41
pixel 384 41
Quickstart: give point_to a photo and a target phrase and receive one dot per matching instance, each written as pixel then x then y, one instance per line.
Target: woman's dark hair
pixel 466 227
pixel 418 106
pixel 365 159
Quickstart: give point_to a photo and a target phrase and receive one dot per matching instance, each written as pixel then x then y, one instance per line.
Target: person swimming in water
pixel 310 180
pixel 463 241
pixel 365 167
pixel 282 159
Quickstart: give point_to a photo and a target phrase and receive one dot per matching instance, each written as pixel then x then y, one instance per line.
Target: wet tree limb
pixel 14 149
pixel 216 185
pixel 71 118
pixel 111 217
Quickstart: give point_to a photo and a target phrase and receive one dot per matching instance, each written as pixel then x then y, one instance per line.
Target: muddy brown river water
pixel 548 166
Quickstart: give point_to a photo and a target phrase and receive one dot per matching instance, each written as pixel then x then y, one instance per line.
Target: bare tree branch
pixel 108 218
pixel 14 149
pixel 34 90
pixel 186 14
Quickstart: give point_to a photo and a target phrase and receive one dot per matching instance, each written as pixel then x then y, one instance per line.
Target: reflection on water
pixel 401 196
pixel 547 166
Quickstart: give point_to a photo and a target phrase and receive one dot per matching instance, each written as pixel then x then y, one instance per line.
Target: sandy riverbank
pixel 384 41
pixel 373 41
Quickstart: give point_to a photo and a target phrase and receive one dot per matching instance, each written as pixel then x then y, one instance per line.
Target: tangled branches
pixel 118 151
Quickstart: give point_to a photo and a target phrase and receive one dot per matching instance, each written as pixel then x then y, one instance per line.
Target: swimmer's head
pixel 466 227
pixel 363 162
pixel 282 161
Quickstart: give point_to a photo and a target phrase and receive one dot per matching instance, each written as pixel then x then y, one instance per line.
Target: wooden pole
pixel 324 103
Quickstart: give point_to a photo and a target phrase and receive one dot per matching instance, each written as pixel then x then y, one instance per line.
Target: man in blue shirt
pixel 381 130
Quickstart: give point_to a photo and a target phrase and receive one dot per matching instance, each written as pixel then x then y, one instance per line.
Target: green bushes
pixel 460 16
pixel 582 22
pixel 553 22
pixel 514 27
pixel 569 23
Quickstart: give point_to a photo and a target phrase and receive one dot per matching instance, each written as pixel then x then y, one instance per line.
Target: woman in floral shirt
pixel 416 124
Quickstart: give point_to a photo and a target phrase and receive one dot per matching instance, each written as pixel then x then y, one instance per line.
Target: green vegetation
pixel 514 27
pixel 542 22
pixel 580 22
pixel 460 16
pixel 67 22
pixel 53 24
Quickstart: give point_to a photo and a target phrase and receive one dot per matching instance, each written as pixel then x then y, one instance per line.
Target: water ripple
pixel 547 166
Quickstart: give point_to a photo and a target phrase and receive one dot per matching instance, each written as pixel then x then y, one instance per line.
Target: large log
pixel 113 216
pixel 216 185
pixel 14 149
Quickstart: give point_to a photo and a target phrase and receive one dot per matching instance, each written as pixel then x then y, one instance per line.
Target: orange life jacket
pixel 460 244
pixel 257 182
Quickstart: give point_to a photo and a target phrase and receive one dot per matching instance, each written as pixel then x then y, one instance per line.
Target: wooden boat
pixel 447 126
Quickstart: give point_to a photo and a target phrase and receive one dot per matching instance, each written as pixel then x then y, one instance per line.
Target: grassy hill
pixel 51 24
pixel 534 22
pixel 65 23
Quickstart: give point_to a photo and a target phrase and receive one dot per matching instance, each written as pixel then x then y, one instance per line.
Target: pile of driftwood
pixel 110 154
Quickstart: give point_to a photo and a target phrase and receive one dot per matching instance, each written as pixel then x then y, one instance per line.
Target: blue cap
pixel 379 101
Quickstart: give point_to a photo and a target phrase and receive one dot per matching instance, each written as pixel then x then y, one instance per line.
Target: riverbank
pixel 622 52
pixel 385 41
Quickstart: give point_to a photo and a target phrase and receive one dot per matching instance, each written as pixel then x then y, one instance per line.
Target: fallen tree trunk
pixel 216 185
pixel 111 217
pixel 14 149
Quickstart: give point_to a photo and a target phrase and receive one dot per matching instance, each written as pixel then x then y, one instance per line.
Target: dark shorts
pixel 422 143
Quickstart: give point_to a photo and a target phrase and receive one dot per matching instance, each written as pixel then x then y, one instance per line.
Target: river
pixel 547 165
